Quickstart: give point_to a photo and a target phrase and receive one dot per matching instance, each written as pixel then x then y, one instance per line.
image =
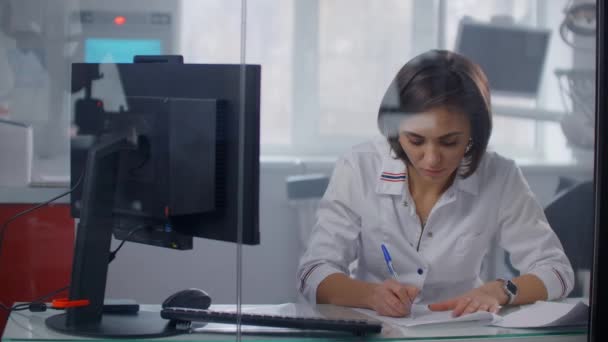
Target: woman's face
pixel 435 142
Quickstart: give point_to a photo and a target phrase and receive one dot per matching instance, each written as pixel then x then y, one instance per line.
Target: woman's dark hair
pixel 439 78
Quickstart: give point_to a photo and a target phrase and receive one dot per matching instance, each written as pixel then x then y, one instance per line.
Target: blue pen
pixel 391 270
pixel 389 263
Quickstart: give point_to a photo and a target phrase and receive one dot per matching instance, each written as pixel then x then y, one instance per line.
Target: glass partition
pixel 297 148
pixel 333 189
pixel 159 127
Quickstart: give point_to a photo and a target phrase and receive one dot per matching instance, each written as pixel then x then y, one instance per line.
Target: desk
pixel 27 326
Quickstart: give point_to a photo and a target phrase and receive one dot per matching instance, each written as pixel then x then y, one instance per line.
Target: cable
pixel 131 232
pixel 38 304
pixel 144 144
pixel 39 300
pixel 5 307
pixel 4 227
pixel 27 211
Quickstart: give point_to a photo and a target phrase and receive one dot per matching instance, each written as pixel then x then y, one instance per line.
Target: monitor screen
pixel 511 56
pixel 114 50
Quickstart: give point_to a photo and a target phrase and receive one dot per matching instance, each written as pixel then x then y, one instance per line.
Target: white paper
pixel 421 315
pixel 546 314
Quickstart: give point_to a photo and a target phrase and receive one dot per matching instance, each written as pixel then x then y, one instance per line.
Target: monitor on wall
pixel 512 56
pixel 119 50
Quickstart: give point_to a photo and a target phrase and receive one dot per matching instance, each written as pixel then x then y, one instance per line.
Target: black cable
pixel 25 306
pixel 131 232
pixel 27 211
pixel 144 145
pixel 5 307
pixel 39 300
pixel 4 227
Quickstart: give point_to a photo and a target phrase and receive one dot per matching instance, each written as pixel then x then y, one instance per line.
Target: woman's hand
pixel 485 298
pixel 392 298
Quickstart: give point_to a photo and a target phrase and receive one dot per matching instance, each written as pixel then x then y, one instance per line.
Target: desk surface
pixel 25 325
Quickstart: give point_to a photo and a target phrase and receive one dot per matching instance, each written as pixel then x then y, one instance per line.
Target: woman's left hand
pixel 479 299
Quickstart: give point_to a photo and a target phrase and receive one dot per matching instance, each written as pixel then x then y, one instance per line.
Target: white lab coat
pixel 368 203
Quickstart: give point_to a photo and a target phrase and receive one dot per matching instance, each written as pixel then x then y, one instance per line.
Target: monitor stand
pixel 144 324
pixel 92 254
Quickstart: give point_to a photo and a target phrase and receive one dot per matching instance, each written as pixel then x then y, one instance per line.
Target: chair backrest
pixel 303 194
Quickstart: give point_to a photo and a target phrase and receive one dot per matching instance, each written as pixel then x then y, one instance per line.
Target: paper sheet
pixel 537 315
pixel 421 315
pixel 546 314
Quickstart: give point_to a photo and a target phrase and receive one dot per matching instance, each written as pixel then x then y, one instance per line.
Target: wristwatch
pixel 510 289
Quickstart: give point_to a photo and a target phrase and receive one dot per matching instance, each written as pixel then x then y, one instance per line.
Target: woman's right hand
pixel 392 298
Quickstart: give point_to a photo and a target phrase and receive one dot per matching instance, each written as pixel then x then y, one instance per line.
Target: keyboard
pixel 357 327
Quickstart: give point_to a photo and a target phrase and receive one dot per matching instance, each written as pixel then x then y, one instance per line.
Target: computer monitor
pixel 181 161
pixel 115 50
pixel 162 94
pixel 512 56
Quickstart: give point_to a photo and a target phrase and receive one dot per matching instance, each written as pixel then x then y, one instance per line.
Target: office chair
pixel 303 194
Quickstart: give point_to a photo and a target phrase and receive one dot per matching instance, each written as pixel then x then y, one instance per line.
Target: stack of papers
pixel 421 315
pixel 537 315
pixel 546 314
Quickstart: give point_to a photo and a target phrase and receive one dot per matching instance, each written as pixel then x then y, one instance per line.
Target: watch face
pixel 511 287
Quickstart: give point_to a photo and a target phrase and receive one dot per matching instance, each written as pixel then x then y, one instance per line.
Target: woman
pixel 430 192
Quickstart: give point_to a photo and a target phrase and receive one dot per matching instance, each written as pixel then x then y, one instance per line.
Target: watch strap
pixel 506 283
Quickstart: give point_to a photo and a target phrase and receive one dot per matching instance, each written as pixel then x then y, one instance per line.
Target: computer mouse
pixel 189 298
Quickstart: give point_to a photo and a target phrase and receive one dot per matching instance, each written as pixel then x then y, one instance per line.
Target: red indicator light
pixel 120 20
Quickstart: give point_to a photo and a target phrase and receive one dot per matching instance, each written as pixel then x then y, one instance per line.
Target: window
pixel 326 65
pixel 524 128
